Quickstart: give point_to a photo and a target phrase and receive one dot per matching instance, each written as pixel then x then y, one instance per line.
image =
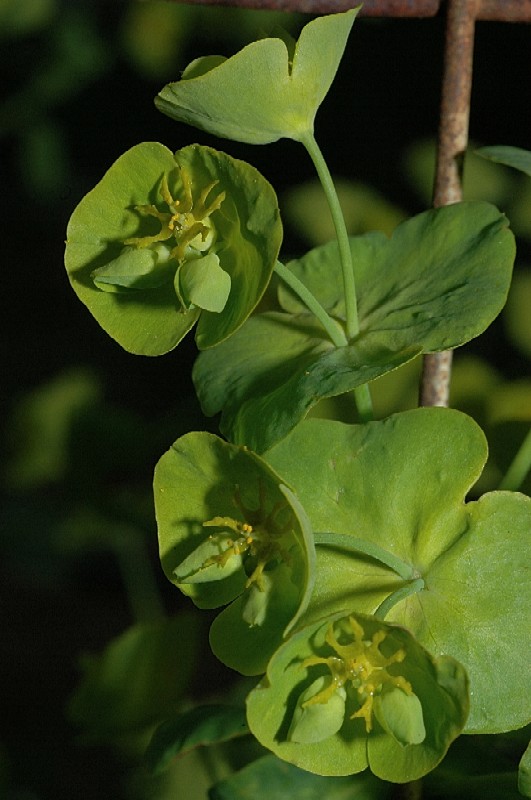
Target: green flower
pixel 165 241
pixel 256 545
pixel 190 235
pixel 231 533
pixel 350 692
pixel 362 666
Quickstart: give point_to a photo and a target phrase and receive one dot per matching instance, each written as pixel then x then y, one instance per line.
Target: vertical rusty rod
pixel 452 144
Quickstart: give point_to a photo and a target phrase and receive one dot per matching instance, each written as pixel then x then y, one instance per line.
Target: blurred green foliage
pixel 20 17
pixel 79 574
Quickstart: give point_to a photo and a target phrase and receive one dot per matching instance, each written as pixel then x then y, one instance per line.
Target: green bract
pixel 400 485
pixel 350 692
pixel 167 240
pixel 269 90
pixel 231 532
pixel 417 292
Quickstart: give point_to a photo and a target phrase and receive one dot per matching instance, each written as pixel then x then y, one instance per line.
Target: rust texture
pixel 505 10
pixel 370 8
pixel 451 148
pixel 495 10
pixel 455 101
pixel 399 8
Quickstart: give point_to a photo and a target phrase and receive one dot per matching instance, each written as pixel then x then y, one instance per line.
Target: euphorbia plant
pixel 236 535
pixel 377 699
pixel 185 238
pixel 383 611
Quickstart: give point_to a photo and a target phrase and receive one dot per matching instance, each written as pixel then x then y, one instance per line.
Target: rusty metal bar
pixel 504 10
pixel 370 8
pixel 451 148
pixel 398 8
pixel 494 10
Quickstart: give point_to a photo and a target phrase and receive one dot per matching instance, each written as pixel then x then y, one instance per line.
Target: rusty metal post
pixel 452 144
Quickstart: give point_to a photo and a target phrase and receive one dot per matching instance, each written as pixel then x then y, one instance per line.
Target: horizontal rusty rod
pixel 494 10
pixel 399 8
pixel 370 8
pixel 504 10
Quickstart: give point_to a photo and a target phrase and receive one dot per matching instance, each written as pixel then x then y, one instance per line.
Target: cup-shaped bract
pixel 271 89
pixel 402 484
pixel 167 240
pixel 351 691
pixel 232 534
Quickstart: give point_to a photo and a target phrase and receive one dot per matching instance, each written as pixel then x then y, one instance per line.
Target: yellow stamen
pixel 188 223
pixel 363 665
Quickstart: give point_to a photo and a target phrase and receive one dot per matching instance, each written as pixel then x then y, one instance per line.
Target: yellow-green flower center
pixel 186 221
pixel 361 663
pixel 259 537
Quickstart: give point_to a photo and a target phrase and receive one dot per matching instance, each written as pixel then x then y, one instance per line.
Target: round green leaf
pixel 401 484
pixel 417 292
pixel 155 213
pixel 421 284
pixel 231 532
pixel 269 90
pixel 476 607
pixel 388 659
pixel 268 376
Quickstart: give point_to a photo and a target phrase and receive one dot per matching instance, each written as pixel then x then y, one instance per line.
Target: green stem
pixel 347 542
pixel 361 393
pixel 396 597
pixel 345 255
pixel 412 790
pixel 520 466
pixel 332 328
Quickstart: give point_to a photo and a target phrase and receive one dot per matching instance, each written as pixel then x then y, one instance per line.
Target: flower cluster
pixel 190 235
pixel 235 537
pixel 187 237
pixel 351 691
pixel 265 538
pixel 362 664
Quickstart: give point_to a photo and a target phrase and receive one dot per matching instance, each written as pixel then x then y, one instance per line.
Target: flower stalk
pixel 361 393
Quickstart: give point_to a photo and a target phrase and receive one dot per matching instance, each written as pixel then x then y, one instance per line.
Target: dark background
pixel 75 95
